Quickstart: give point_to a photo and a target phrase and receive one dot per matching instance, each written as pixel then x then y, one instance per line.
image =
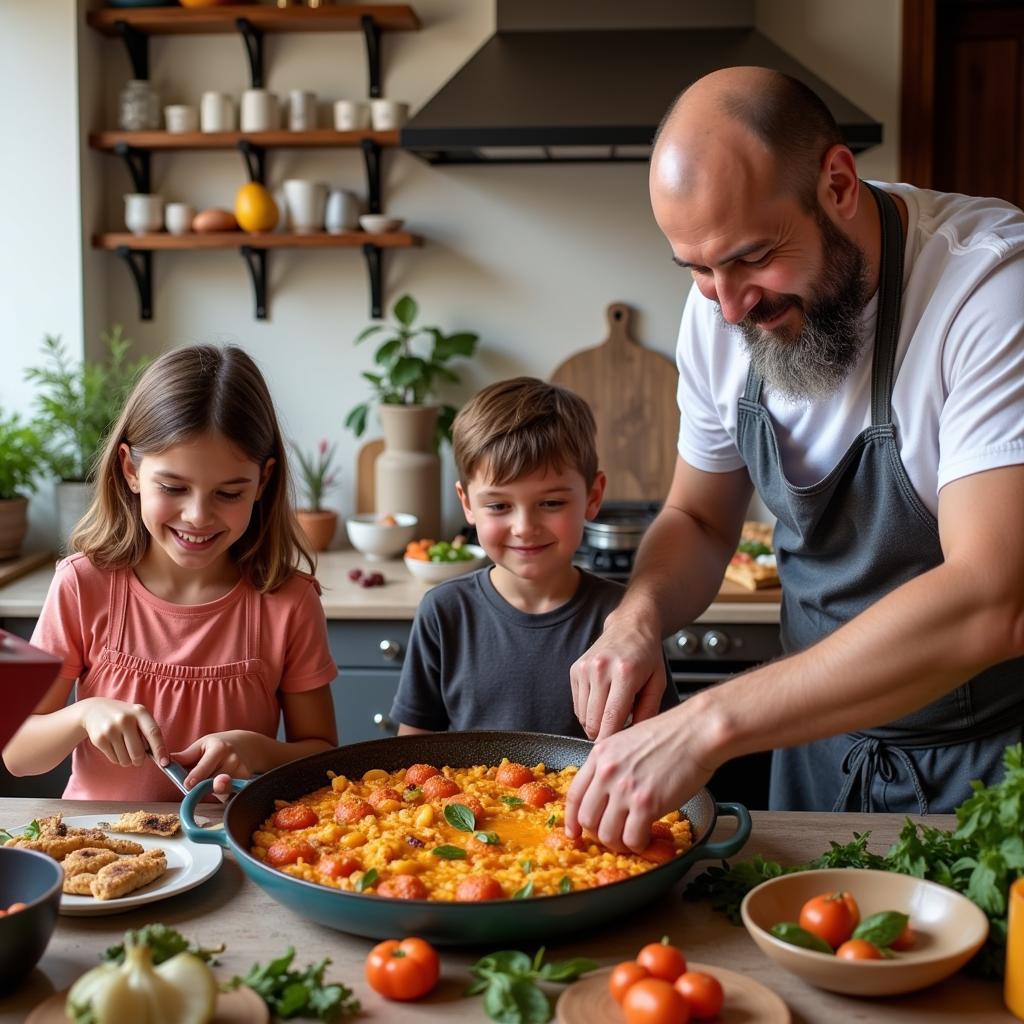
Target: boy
pixel 492 649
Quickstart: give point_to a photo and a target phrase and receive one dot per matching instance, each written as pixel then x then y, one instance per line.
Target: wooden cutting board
pixel 632 391
pixel 366 485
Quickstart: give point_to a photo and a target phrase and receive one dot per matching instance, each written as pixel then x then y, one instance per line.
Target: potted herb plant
pixel 316 478
pixel 77 404
pixel 21 458
pixel 413 361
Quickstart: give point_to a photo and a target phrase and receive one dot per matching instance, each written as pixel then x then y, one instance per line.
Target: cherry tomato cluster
pixel 656 988
pixel 366 579
pixel 403 970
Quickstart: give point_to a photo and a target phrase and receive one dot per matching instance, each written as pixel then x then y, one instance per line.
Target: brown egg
pixel 208 221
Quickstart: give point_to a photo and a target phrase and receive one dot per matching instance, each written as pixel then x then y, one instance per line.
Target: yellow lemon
pixel 255 208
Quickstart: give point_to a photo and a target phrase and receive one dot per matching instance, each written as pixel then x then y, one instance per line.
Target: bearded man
pixel 856 353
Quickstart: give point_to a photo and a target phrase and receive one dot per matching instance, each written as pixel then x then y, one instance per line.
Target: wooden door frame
pixel 917 99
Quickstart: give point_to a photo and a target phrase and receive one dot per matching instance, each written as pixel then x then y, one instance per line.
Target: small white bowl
pixel 377 540
pixel 948 928
pixel 379 223
pixel 436 572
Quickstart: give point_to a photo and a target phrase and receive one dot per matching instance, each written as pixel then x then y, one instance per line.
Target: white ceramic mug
pixel 181 118
pixel 301 110
pixel 305 200
pixel 258 111
pixel 143 212
pixel 342 212
pixel 178 218
pixel 351 116
pixel 283 217
pixel 387 115
pixel 216 112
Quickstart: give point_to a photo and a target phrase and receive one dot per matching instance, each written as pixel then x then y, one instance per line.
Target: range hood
pixel 530 96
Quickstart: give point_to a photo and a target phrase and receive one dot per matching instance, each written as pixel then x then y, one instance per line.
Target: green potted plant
pixel 315 479
pixel 21 459
pixel 413 361
pixel 77 404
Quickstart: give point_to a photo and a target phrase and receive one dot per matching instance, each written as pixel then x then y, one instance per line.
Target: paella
pixel 450 834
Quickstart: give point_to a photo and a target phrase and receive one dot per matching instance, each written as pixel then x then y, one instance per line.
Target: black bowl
pixel 36 880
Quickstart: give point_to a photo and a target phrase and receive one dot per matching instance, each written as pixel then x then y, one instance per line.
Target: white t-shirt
pixel 958 400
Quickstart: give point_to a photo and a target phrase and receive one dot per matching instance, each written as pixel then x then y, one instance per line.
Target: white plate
pixel 188 865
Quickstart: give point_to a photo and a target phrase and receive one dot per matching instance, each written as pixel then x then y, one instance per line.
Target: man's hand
pixel 622 673
pixel 123 732
pixel 632 778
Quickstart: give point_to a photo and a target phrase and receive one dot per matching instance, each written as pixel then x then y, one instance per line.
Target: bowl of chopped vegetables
pixel 435 561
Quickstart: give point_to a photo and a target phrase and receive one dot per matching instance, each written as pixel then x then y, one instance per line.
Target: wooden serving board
pixel 12 568
pixel 632 391
pixel 366 487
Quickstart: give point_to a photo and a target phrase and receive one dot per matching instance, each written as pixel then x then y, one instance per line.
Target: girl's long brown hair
pixel 184 393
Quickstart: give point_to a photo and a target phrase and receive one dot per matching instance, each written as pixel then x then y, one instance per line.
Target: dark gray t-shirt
pixel 476 662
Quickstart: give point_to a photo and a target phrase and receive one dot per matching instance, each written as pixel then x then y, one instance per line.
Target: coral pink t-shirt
pixel 197 668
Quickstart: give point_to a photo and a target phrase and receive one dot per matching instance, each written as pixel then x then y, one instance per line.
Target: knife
pixel 174 772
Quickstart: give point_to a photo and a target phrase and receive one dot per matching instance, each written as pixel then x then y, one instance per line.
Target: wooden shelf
pixel 161 241
pixel 223 18
pixel 323 138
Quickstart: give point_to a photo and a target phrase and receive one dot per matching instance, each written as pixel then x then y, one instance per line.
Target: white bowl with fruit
pixel 435 561
pixel 381 535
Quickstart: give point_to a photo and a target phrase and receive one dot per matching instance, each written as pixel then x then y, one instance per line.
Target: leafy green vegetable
pixel 565 885
pixel 512 801
pixel 447 852
pixel 289 993
pixel 412 794
pixel 508 980
pixel 525 893
pixel 526 865
pixel 980 858
pixel 366 880
pixel 490 838
pixel 882 929
pixel 163 942
pixel 460 816
pixel 792 933
pixel 753 548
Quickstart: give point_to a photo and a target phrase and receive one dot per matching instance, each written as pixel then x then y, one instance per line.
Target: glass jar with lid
pixel 139 107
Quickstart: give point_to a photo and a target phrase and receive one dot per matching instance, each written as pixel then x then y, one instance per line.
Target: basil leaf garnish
pixel 449 852
pixel 460 816
pixel 883 929
pixel 366 880
pixel 797 936
pixel 525 893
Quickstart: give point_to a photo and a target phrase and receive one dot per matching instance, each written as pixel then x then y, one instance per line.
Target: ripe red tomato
pixel 283 852
pixel 337 865
pixel 477 888
pixel 402 887
pixel 513 775
pixel 858 949
pixel 349 811
pixel 623 976
pixel 403 970
pixel 536 794
pixel 662 960
pixel 417 774
pixel 703 992
pixel 437 787
pixel 905 940
pixel 653 1001
pixel 832 916
pixel 295 816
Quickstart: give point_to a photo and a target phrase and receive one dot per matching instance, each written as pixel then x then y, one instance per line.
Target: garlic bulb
pixel 180 991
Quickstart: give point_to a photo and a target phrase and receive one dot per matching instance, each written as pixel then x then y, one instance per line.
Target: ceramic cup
pixel 281 201
pixel 301 110
pixel 258 111
pixel 143 212
pixel 305 200
pixel 351 116
pixel 178 218
pixel 342 212
pixel 387 115
pixel 181 118
pixel 216 112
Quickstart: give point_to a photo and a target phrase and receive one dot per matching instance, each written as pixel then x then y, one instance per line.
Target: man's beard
pixel 814 362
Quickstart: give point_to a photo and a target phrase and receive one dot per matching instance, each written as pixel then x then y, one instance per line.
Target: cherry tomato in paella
pixel 294 817
pixel 403 970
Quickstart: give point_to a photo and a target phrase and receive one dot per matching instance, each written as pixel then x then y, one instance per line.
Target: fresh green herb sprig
pixel 754 548
pixel 508 980
pixel 163 943
pixel 30 831
pixel 289 993
pixel 980 858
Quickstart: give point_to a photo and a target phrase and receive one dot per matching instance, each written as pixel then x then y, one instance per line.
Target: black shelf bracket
pixel 252 37
pixel 371 154
pixel 256 261
pixel 373 256
pixel 371 33
pixel 137 45
pixel 255 160
pixel 140 263
pixel 138 164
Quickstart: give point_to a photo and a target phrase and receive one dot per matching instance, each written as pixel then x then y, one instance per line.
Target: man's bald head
pixel 777 119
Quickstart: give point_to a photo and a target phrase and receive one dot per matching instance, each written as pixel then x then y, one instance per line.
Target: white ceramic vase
pixel 407 474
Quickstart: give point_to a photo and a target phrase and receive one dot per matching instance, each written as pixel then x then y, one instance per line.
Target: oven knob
pixel 687 642
pixel 715 642
pixel 391 649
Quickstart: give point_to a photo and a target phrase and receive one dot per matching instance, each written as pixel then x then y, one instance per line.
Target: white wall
pixel 527 256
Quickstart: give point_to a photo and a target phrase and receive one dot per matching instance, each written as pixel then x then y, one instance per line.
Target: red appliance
pixel 26 673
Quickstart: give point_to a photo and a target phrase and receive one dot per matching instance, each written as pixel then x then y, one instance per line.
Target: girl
pixel 182 616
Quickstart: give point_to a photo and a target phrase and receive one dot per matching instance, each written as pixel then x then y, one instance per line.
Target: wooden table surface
pixel 232 909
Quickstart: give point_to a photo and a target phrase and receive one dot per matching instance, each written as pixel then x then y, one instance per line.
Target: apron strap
pixel 890 289
pixel 870 758
pixel 117 608
pixel 252 622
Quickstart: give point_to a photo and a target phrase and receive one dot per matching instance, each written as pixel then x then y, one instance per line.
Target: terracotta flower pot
pixel 318 526
pixel 13 525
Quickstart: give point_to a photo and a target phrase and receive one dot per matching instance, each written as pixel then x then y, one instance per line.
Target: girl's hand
pixel 224 754
pixel 122 731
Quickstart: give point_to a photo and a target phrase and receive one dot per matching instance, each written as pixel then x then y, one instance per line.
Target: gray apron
pixel 842 544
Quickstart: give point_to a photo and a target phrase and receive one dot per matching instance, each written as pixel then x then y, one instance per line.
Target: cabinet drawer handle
pixel 384 723
pixel 391 649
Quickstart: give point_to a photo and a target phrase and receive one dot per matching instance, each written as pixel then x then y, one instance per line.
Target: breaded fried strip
pixel 128 874
pixel 148 822
pixel 59 847
pixel 79 885
pixel 89 858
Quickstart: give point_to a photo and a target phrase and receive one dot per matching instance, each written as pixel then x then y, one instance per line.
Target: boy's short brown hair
pixel 518 426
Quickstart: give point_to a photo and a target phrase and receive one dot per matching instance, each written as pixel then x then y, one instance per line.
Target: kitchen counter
pixel 400 595
pixel 232 909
